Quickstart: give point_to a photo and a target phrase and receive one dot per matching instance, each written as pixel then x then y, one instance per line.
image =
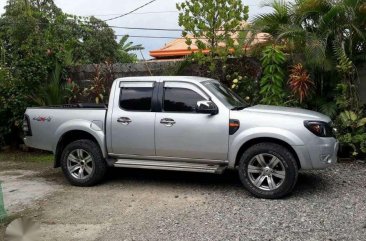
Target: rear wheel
pixel 82 163
pixel 268 170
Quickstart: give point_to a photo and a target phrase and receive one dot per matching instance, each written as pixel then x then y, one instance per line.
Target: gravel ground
pixel 160 205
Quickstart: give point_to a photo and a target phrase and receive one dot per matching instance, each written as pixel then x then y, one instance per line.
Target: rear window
pixel 136 98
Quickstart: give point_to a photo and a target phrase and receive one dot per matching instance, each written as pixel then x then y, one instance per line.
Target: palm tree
pixel 271 22
pixel 318 33
pixel 315 27
pixel 125 48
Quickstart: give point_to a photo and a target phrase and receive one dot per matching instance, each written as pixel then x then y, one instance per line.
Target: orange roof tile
pixel 179 48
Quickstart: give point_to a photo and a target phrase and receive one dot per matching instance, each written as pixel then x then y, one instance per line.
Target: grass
pixel 25 160
pixel 15 156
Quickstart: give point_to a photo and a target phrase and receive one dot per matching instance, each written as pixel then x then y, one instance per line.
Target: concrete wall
pixel 83 74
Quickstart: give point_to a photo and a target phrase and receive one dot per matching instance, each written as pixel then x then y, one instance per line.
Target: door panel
pixel 132 120
pixel 181 132
pixel 196 136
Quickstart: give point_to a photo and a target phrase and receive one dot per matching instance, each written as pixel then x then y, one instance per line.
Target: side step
pixel 169 165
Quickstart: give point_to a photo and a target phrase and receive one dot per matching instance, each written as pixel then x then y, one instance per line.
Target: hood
pixel 288 111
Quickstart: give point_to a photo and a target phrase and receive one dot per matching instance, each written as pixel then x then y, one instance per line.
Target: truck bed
pixel 48 124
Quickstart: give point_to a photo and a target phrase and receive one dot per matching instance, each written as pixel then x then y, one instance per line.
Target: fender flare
pixel 80 125
pixel 260 132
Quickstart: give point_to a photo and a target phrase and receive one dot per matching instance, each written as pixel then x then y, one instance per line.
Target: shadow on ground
pixel 307 183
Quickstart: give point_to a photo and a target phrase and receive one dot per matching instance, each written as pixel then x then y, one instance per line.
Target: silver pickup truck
pixel 183 124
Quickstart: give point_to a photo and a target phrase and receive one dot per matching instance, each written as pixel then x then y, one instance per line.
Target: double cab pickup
pixel 183 124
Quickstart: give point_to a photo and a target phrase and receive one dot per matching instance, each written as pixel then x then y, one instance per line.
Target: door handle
pixel 167 122
pixel 124 120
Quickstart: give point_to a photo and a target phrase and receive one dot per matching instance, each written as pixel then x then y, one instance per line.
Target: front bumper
pixel 318 154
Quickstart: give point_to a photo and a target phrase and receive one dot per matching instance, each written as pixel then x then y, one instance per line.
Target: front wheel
pixel 82 163
pixel 268 170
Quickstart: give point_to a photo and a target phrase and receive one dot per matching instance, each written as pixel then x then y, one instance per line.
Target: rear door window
pixel 136 96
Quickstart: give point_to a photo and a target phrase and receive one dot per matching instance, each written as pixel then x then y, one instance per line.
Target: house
pixel 177 48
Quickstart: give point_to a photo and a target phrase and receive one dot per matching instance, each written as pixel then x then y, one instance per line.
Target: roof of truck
pixel 163 78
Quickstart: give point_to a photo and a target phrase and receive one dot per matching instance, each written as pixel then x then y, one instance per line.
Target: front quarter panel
pixel 289 129
pixel 239 139
pixel 312 151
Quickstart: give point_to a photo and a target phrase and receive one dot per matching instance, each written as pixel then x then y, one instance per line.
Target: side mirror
pixel 206 107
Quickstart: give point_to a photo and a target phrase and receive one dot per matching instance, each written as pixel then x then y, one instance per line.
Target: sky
pixel 159 14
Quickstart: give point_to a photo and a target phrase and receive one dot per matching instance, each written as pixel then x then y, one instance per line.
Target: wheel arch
pixel 70 136
pixel 257 140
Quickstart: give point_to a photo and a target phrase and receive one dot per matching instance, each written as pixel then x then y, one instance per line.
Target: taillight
pixel 26 126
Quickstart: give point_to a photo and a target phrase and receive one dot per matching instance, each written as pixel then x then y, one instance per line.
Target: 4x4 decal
pixel 42 118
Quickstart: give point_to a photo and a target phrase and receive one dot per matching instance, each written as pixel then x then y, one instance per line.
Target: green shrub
pixel 352 131
pixel 13 102
pixel 273 78
pixel 245 86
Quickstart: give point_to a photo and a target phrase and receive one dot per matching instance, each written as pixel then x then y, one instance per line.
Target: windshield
pixel 225 95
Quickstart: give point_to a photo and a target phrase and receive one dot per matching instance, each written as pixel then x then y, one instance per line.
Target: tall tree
pixel 38 40
pixel 212 24
pixel 98 42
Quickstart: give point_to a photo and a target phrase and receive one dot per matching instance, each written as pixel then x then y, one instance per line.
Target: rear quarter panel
pixel 49 124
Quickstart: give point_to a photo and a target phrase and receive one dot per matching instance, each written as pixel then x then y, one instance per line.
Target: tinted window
pixel 180 100
pixel 136 98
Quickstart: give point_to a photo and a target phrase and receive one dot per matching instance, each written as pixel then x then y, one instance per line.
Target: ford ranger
pixel 183 124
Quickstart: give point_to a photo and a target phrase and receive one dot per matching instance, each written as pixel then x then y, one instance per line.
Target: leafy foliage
pixel 96 42
pixel 352 131
pixel 125 50
pixel 272 81
pixel 349 96
pixel 309 31
pixel 211 23
pixel 245 86
pixel 55 92
pixel 96 92
pixel 300 82
pixel 350 120
pixel 13 101
pixel 37 44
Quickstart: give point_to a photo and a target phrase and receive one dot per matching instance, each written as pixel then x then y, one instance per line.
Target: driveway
pixel 161 205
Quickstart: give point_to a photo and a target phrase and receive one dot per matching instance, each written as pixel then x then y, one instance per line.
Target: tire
pixel 264 180
pixel 82 163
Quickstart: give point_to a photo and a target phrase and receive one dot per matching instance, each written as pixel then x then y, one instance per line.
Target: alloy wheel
pixel 266 171
pixel 80 164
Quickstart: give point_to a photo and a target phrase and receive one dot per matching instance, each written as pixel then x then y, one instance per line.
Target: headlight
pixel 319 128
